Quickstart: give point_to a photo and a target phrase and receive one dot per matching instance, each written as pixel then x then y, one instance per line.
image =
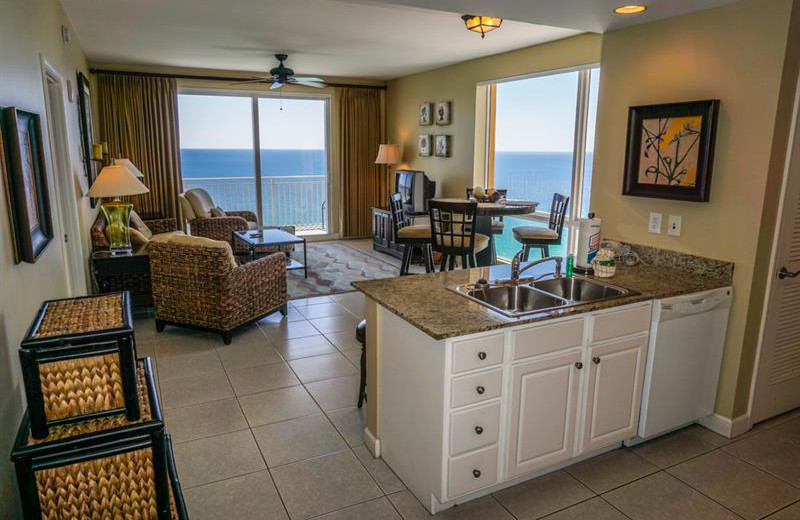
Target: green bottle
pixel 570 265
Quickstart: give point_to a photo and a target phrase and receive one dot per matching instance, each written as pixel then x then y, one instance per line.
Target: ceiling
pixel 371 39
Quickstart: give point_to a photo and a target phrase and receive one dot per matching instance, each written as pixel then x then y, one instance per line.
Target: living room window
pixel 263 153
pixel 540 141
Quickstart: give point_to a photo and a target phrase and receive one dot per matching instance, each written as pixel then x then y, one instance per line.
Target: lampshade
pixel 116 181
pixel 481 24
pixel 129 165
pixel 388 154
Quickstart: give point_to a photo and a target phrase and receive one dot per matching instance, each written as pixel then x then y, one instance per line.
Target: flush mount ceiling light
pixel 481 24
pixel 630 9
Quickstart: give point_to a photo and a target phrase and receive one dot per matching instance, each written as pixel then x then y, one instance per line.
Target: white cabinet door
pixel 616 373
pixel 543 412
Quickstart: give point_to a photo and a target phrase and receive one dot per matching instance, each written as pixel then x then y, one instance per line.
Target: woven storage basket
pixel 78 361
pixel 104 467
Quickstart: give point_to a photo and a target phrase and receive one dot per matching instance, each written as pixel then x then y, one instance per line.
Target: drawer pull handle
pixel 480 390
pixel 481 355
pixel 578 365
pixel 479 430
pixel 596 360
pixel 476 473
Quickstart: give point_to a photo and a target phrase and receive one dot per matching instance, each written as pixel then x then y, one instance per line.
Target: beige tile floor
pixel 267 428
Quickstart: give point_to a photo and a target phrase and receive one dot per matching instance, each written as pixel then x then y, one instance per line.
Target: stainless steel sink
pixel 580 289
pixel 515 300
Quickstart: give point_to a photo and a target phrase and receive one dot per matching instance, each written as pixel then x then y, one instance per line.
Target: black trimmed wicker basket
pixel 78 361
pixel 102 467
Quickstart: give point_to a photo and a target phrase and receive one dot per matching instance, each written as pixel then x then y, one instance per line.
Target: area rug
pixel 331 268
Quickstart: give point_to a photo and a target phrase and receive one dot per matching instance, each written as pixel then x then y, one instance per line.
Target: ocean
pixel 228 175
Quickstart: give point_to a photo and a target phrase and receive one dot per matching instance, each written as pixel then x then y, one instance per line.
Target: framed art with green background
pixel 670 150
pixel 23 167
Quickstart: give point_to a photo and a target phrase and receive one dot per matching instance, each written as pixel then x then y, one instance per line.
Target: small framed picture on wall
pixel 442 113
pixel 441 145
pixel 426 114
pixel 424 145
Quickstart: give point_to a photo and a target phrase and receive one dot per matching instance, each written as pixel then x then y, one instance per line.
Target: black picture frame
pixel 654 154
pixel 26 183
pixel 90 166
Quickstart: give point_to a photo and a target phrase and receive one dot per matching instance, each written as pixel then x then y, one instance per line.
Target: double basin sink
pixel 527 297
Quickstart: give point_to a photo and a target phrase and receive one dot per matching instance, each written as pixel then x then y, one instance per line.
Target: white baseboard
pixel 726 427
pixel 373 443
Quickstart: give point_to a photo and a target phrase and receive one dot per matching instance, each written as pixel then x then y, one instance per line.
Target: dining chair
pixel 542 238
pixel 453 232
pixel 409 236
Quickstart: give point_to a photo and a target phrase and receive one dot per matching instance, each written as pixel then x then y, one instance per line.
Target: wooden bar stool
pixel 410 237
pixel 361 337
pixel 543 238
pixel 453 232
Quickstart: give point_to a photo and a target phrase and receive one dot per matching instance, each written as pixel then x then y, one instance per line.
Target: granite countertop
pixel 428 303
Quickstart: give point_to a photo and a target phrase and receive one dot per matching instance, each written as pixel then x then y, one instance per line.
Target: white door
pixel 777 384
pixel 616 373
pixel 544 412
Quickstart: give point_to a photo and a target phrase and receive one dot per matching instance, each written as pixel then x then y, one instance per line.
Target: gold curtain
pixel 139 120
pixel 364 184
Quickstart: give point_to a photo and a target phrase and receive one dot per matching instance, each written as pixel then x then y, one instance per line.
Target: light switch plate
pixel 655 223
pixel 674 225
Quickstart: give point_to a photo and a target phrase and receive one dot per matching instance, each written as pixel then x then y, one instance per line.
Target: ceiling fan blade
pixel 314 84
pixel 255 80
pixel 276 85
pixel 306 79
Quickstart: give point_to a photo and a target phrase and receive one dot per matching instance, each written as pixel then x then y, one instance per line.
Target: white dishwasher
pixel 687 339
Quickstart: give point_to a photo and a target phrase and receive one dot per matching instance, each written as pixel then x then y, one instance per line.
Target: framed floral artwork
pixel 426 114
pixel 442 113
pixel 424 145
pixel 670 150
pixel 23 169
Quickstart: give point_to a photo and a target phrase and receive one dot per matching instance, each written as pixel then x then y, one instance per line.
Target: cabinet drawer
pixel 621 323
pixel 544 339
pixel 473 429
pixel 472 471
pixel 475 388
pixel 477 353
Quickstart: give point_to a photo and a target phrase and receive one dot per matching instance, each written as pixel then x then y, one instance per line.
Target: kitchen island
pixel 464 401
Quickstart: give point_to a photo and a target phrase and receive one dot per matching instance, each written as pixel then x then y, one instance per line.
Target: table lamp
pixel 388 154
pixel 117 181
pixel 129 165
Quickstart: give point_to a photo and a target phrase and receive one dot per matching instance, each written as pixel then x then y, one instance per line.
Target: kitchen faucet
pixel 516 271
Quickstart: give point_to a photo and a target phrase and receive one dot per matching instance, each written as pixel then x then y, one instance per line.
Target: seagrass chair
pixel 410 237
pixel 197 283
pixel 161 228
pixel 453 232
pixel 208 220
pixel 533 237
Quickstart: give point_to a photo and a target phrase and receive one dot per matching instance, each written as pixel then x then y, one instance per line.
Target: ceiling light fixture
pixel 481 24
pixel 630 9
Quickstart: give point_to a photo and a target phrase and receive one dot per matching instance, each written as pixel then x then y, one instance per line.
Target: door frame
pixel 68 213
pixel 793 149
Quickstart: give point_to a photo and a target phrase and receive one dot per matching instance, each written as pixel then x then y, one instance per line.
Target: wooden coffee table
pixel 255 238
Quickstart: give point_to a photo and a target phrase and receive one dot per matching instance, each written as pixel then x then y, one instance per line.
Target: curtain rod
pixel 212 78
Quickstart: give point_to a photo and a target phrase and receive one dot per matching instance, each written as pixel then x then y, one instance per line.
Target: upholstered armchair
pixel 197 283
pixel 208 220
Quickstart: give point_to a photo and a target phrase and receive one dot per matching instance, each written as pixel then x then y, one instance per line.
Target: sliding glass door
pixel 266 154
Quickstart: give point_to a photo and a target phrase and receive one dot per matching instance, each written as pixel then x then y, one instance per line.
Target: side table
pixel 127 272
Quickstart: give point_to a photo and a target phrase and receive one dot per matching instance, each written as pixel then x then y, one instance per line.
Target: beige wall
pixel 734 53
pixel 30 28
pixel 457 83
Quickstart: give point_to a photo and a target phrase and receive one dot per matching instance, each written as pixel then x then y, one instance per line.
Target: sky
pixel 226 122
pixel 538 114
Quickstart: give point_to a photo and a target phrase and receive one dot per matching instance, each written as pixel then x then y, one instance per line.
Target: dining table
pixel 483 221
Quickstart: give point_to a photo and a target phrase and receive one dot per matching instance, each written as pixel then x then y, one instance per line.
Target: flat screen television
pixel 415 189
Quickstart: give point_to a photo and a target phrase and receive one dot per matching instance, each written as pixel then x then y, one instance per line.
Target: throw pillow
pixel 138 224
pixel 217 212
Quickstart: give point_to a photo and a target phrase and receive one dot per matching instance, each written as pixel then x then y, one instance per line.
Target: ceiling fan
pixel 283 75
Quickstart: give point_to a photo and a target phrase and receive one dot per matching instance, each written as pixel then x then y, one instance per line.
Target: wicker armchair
pixel 198 206
pixel 99 239
pixel 202 287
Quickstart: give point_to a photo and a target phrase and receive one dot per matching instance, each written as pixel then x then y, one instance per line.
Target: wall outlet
pixel 674 225
pixel 655 223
